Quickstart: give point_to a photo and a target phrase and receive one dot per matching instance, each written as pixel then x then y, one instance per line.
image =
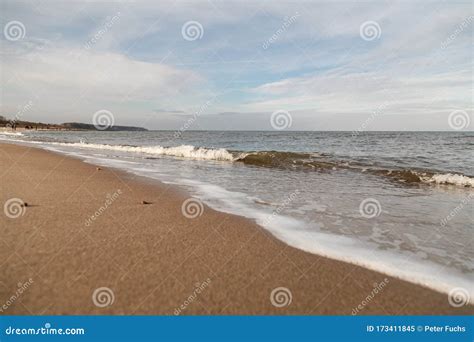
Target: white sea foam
pixel 405 266
pixel 17 134
pixel 294 232
pixel 450 178
pixel 183 151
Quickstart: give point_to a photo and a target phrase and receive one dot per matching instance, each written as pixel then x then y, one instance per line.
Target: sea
pixel 396 202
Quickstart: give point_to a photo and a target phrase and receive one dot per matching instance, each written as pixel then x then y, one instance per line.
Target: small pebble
pixel 145 202
pixel 24 204
pixel 98 168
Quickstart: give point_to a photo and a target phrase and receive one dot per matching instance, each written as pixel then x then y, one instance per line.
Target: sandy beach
pixel 86 228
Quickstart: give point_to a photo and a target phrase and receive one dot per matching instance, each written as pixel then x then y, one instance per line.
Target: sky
pixel 240 65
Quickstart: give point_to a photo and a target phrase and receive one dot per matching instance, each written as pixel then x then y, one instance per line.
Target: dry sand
pixel 152 257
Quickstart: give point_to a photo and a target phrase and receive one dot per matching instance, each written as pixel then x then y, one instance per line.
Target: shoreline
pixel 243 262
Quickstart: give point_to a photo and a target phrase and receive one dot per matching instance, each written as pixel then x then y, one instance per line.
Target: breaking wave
pixel 183 151
pixel 287 160
pixel 312 161
pixel 16 134
pixel 297 161
pixel 450 178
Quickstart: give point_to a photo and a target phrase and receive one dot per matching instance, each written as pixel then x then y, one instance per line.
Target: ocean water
pixel 396 202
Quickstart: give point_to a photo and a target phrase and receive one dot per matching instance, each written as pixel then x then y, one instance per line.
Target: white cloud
pixel 73 81
pixel 365 92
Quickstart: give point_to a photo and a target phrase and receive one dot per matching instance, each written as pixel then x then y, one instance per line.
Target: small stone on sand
pixel 145 202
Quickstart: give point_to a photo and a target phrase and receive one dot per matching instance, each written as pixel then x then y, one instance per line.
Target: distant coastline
pixel 67 126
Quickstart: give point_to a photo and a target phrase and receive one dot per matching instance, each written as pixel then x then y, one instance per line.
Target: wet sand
pixel 87 244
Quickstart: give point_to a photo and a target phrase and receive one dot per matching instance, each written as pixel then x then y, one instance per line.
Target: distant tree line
pixel 14 123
